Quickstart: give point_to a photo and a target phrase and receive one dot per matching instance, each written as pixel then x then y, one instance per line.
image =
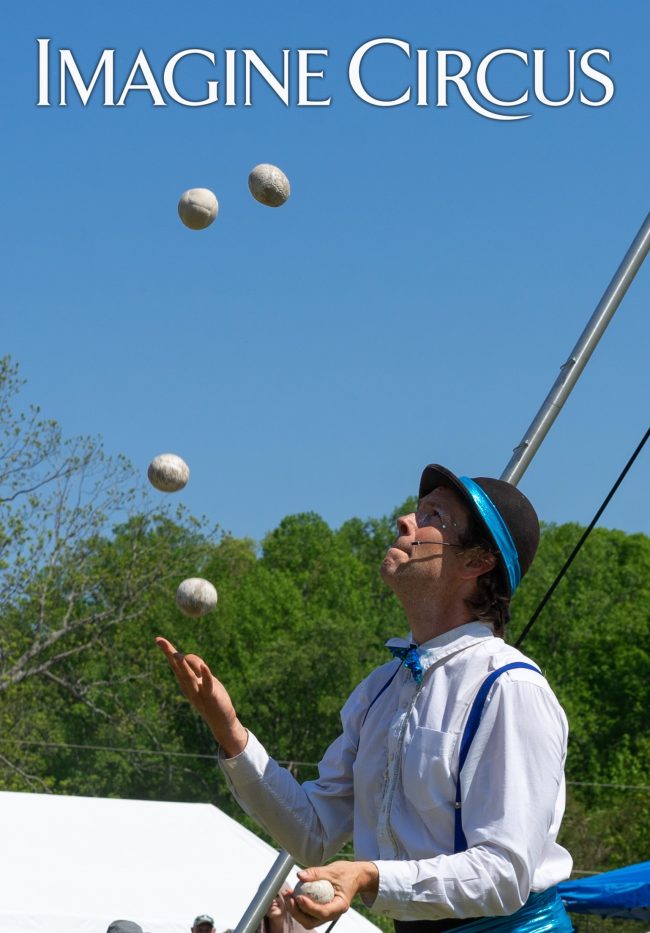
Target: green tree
pixel 69 581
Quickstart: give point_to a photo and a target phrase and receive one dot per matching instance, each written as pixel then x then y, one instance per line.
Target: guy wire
pixel 582 540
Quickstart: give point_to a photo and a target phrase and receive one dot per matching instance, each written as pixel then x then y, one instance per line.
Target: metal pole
pixel 265 893
pixel 570 371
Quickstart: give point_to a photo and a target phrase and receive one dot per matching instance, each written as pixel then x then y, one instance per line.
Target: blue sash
pixel 542 913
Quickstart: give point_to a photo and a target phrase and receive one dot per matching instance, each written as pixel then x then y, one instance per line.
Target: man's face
pixel 427 543
pixel 203 928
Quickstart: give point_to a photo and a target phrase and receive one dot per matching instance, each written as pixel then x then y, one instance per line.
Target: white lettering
pixel 281 89
pixel 538 71
pixel 170 87
pixel 458 80
pixel 303 78
pixel 423 98
pixel 43 73
pixel 230 78
pixel 141 64
pixel 68 64
pixel 453 67
pixel 354 73
pixel 481 78
pixel 599 76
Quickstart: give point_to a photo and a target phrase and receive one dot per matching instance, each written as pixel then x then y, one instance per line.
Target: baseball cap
pixel 124 926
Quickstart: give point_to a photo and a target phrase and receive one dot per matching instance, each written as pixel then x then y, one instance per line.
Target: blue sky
pixel 411 303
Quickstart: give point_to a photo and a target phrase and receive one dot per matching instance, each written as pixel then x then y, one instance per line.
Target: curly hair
pixel 489 602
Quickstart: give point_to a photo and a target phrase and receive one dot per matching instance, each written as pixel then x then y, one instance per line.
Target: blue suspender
pixel 460 842
pixel 385 687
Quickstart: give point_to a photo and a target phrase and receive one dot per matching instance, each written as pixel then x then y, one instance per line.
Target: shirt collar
pixel 442 646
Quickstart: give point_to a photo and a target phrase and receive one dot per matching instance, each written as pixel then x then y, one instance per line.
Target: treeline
pixel 88 705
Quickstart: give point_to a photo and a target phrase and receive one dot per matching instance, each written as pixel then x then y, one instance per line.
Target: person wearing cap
pixel 124 926
pixel 449 771
pixel 203 924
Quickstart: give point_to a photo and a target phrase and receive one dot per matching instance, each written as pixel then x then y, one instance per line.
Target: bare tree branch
pixel 34 781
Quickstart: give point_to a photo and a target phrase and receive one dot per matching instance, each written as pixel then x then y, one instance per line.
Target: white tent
pixel 74 864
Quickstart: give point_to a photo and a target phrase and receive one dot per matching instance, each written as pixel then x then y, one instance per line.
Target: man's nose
pixel 406 524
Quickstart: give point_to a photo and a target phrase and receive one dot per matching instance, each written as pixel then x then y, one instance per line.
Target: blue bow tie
pixel 410 659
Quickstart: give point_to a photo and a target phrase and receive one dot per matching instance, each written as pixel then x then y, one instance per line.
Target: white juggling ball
pixel 168 473
pixel 269 185
pixel 197 208
pixel 196 597
pixel 321 891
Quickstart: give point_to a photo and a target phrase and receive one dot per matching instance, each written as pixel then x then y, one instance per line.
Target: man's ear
pixel 477 562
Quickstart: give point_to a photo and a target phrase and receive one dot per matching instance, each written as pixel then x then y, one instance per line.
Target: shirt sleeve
pixel 512 780
pixel 312 821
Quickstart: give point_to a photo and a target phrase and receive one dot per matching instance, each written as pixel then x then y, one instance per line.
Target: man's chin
pixel 392 564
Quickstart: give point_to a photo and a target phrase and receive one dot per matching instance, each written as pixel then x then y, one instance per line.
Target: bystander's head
pixel 203 924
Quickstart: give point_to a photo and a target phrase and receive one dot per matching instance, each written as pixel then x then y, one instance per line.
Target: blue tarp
pixel 623 893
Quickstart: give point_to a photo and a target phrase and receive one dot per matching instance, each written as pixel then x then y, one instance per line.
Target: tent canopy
pixel 623 893
pixel 75 864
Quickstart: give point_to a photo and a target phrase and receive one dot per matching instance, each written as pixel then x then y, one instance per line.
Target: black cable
pixel 333 923
pixel 582 540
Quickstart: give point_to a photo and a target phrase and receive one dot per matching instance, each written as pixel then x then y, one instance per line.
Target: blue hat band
pixel 498 529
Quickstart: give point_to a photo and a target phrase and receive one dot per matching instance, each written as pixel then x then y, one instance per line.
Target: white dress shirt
pixel 389 782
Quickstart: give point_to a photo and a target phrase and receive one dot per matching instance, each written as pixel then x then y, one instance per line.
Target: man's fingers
pixel 175 659
pixel 166 647
pixel 311 908
pixel 307 920
pixel 207 679
pixel 187 668
pixel 195 664
pixel 184 665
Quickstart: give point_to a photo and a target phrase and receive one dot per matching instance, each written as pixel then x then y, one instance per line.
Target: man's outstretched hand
pixel 208 696
pixel 347 878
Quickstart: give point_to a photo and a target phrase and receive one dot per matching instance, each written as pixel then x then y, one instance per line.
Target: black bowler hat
pixel 502 512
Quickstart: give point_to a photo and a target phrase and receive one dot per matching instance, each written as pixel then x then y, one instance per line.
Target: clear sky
pixel 411 303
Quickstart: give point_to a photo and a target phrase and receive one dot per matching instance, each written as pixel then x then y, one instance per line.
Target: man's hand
pixel 347 878
pixel 208 696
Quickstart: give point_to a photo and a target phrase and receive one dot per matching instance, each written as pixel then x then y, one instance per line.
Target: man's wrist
pixel 234 741
pixel 368 879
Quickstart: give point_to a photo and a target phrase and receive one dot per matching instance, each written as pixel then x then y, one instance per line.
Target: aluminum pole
pixel 570 371
pixel 265 893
